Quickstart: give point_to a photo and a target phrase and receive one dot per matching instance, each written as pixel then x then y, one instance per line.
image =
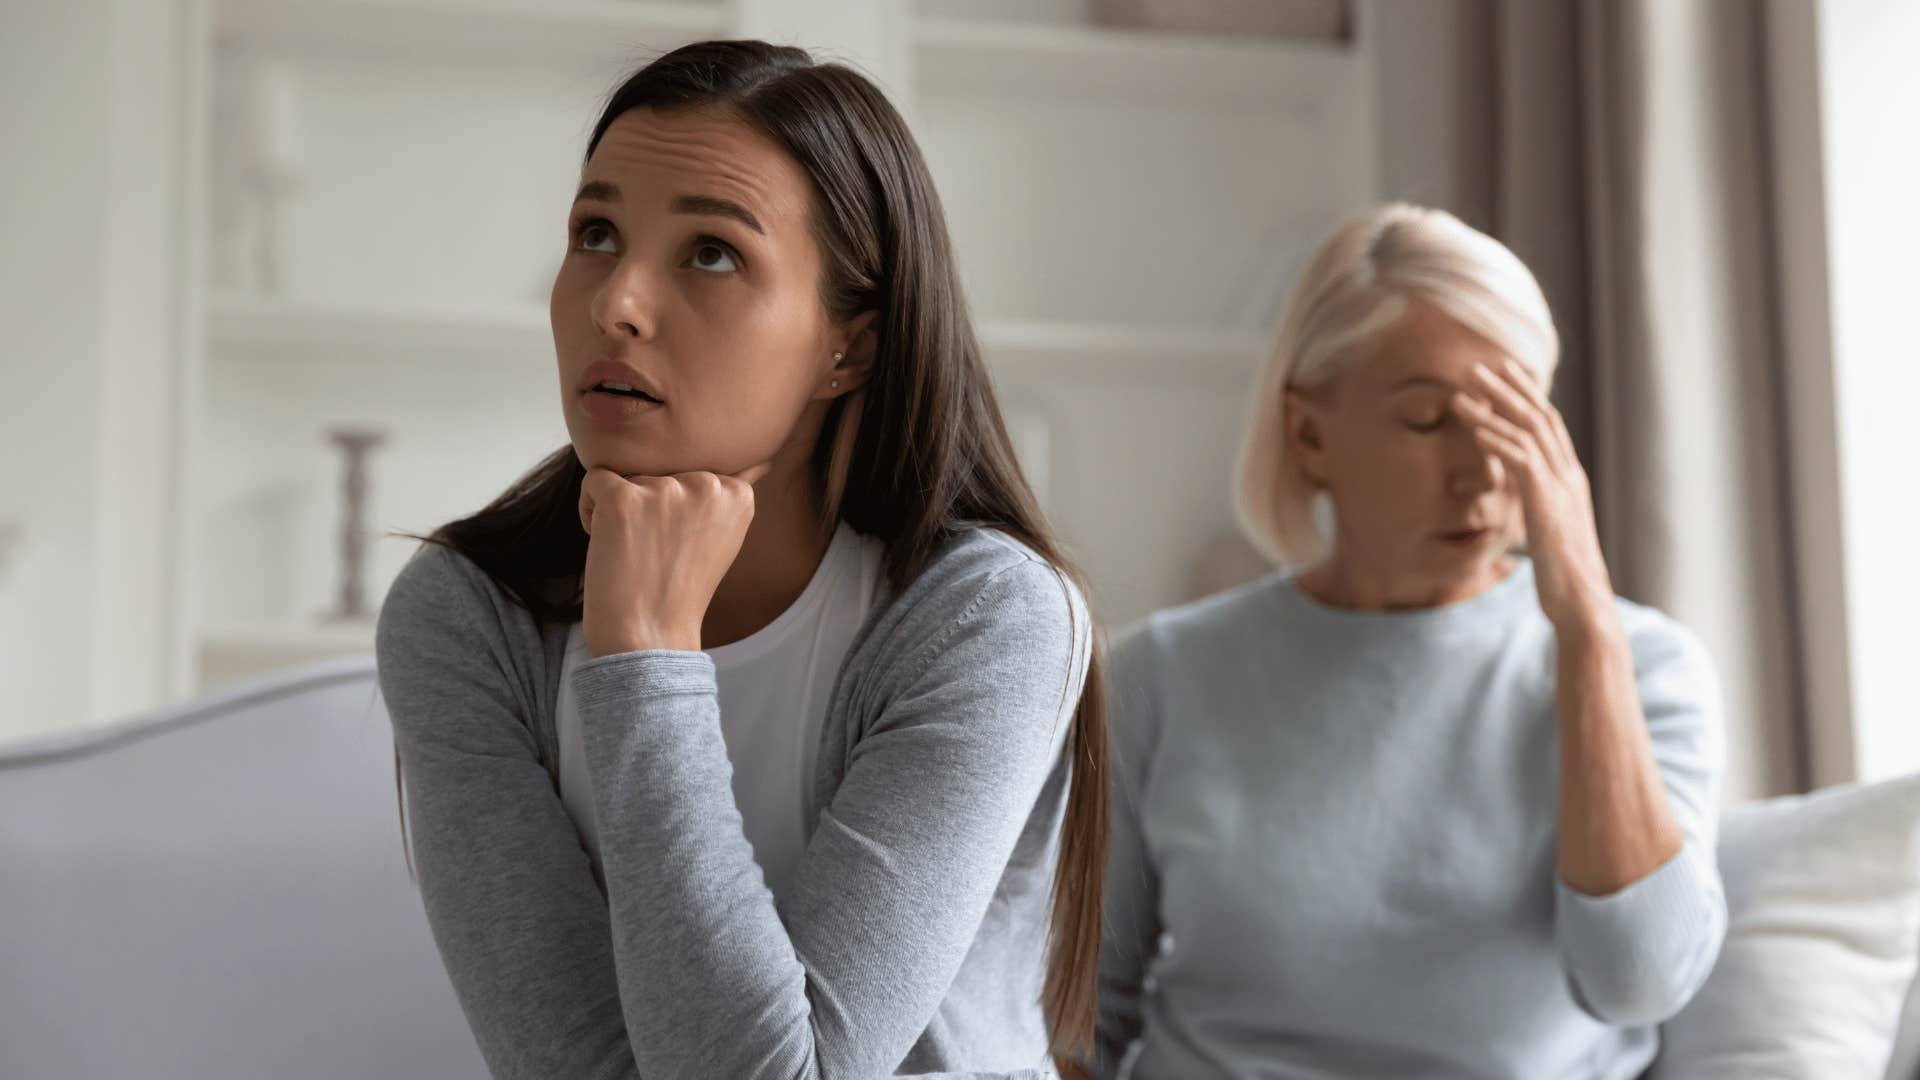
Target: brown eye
pixel 715 257
pixel 591 234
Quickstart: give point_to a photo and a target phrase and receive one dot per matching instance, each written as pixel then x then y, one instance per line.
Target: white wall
pixel 135 478
pixel 54 63
pixel 1870 130
pixel 88 199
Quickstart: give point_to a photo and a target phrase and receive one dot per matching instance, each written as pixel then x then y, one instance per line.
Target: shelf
pixel 535 30
pixel 279 331
pixel 1107 350
pixel 997 58
pixel 969 56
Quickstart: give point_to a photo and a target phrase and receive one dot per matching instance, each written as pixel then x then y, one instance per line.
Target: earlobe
pixel 844 377
pixel 852 362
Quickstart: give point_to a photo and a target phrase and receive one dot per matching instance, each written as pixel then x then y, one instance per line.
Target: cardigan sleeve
pixel 507 885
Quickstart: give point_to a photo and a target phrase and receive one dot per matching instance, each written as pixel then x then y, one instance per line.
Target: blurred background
pixel 274 285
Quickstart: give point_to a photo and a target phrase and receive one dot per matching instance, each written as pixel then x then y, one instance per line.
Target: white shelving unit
pixel 275 331
pixel 1125 203
pixel 536 31
pixel 1002 59
pixel 278 332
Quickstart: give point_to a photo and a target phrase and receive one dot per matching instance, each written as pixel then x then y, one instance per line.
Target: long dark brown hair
pixel 916 455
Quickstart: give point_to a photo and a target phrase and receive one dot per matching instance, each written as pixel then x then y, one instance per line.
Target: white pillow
pixel 1823 899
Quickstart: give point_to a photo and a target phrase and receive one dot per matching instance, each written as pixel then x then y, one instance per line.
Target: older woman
pixel 1420 804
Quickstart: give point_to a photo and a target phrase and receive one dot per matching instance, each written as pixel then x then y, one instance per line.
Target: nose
pixel 624 304
pixel 1472 470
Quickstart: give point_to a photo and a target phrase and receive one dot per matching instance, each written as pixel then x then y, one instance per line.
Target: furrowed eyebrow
pixel 597 191
pixel 699 205
pixel 709 206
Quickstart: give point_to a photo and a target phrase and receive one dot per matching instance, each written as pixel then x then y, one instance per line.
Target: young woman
pixel 757 733
pixel 1419 804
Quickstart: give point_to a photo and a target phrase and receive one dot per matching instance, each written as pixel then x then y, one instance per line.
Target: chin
pixel 630 460
pixel 624 458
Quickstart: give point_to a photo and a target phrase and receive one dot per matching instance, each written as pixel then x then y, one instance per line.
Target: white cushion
pixel 1823 939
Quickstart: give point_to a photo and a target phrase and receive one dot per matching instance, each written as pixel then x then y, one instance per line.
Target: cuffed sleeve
pixel 1638 955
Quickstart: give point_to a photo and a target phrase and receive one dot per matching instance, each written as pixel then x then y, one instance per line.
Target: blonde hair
pixel 1358 284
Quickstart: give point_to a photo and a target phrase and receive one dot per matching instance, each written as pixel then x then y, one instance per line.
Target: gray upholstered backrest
pixel 218 892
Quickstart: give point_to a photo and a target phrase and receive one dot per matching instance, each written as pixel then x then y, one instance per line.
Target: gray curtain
pixel 1621 148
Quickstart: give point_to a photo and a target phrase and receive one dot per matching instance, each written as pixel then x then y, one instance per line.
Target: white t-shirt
pixel 774 687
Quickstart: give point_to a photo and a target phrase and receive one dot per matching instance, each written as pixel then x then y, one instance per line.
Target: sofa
pixel 217 891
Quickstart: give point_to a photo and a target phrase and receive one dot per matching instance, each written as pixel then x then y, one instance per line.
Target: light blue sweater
pixel 1334 846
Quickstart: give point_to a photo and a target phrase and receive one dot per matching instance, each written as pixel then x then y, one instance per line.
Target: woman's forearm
pixel 1616 825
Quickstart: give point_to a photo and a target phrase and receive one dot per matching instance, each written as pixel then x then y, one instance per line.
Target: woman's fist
pixel 657 548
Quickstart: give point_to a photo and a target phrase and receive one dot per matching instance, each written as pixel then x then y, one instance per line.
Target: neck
pixel 1354 583
pixel 782 549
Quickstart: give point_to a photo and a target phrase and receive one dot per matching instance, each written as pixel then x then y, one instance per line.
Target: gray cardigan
pixel 914 936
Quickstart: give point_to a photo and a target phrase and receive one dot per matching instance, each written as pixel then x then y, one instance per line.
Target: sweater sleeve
pixel 508 888
pixel 842 978
pixel 1636 956
pixel 1132 925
